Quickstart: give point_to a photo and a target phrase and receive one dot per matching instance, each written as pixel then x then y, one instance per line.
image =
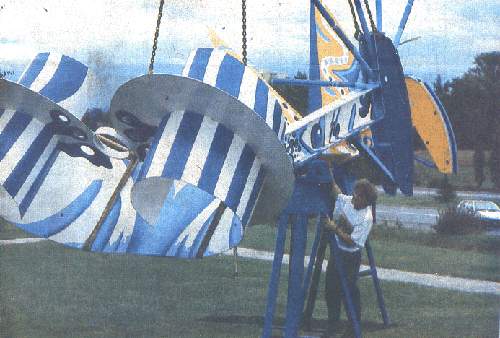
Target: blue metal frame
pixel 320 83
pixel 315 100
pixel 343 37
pixel 378 8
pixel 310 197
pixel 403 22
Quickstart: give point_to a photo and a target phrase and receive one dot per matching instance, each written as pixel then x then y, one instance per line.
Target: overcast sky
pixel 100 32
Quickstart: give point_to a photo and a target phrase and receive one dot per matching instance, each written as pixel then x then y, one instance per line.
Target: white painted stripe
pixel 165 145
pixel 271 102
pixel 229 168
pixel 47 72
pixel 19 148
pixel 220 238
pixel 189 63
pixel 36 170
pixel 213 66
pixel 27 68
pixel 5 118
pixel 248 87
pixel 282 124
pixel 192 230
pixel 199 152
pixel 247 191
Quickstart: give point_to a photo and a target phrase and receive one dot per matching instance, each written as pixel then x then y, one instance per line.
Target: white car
pixel 486 211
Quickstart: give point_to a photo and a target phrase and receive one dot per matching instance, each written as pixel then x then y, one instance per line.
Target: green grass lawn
pixel 470 256
pixel 50 291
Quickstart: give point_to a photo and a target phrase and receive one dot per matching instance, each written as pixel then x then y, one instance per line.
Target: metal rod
pixel 272 291
pixel 378 8
pixel 87 246
pixel 320 83
pixel 235 255
pixel 403 22
pixel 342 36
pixel 111 143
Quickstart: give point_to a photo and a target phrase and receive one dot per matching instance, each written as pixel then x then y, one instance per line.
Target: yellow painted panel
pixel 430 125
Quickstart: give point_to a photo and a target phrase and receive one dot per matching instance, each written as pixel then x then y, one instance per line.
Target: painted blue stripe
pixel 230 75
pixel 34 69
pixel 240 178
pixel 261 95
pixel 183 143
pixel 277 117
pixel 107 227
pixel 322 35
pixel 451 134
pixel 152 151
pixel 352 118
pixel 253 196
pixel 23 168
pixel 236 232
pixel 14 128
pixel 62 219
pixel 67 79
pixel 200 62
pixel 215 159
pixel 33 190
pixel 177 213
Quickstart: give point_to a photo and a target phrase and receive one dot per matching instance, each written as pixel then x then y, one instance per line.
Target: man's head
pixel 364 194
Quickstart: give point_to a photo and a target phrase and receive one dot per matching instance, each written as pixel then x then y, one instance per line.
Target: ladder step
pixel 364 273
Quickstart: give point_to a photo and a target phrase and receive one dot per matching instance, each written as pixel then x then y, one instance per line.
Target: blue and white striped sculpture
pixel 34 130
pixel 216 150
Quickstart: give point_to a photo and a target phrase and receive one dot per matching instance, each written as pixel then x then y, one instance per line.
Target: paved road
pixel 410 217
pixel 417 191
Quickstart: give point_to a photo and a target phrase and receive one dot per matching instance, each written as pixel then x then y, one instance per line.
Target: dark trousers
pixel 333 285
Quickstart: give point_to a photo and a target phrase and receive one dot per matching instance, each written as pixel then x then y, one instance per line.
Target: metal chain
pixel 155 39
pixel 244 31
pixel 357 31
pixel 372 23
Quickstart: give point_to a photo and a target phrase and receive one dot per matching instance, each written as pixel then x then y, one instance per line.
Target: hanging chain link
pixel 244 31
pixel 357 31
pixel 372 23
pixel 155 39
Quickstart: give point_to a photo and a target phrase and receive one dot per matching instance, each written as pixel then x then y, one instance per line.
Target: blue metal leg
pixel 272 292
pixel 348 300
pixel 314 252
pixel 295 302
pixel 378 290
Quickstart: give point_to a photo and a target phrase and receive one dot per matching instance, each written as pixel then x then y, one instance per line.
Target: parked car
pixel 486 211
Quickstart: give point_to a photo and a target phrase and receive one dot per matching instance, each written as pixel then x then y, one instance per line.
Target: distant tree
pixel 472 101
pixel 494 162
pixel 479 162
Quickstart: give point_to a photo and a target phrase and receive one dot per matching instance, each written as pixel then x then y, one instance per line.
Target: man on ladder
pixel 350 227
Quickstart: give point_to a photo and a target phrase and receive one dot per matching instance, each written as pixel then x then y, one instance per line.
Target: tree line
pixel 473 102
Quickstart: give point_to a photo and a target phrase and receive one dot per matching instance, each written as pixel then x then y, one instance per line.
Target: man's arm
pixel 331 225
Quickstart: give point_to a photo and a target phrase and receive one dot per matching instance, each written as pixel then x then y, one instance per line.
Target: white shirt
pixel 361 221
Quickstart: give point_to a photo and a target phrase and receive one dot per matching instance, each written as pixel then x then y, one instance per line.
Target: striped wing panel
pixel 218 68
